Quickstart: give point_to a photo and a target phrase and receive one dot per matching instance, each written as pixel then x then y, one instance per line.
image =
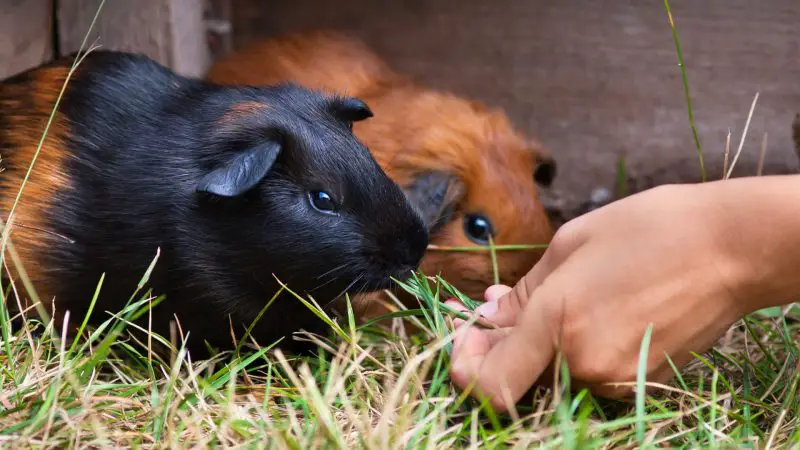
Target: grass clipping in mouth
pixel 370 389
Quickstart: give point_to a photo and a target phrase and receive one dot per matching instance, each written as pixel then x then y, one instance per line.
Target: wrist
pixel 759 238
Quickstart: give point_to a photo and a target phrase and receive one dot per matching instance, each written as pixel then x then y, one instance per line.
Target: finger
pixel 494 292
pixel 492 336
pixel 458 306
pixel 469 342
pixel 503 372
pixel 503 305
pixel 505 309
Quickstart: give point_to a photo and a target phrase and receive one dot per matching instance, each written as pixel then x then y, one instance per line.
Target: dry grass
pixel 367 390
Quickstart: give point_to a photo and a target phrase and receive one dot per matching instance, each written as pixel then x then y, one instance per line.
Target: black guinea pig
pixel 232 184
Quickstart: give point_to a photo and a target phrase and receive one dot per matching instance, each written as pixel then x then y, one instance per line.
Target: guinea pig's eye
pixel 322 201
pixel 478 228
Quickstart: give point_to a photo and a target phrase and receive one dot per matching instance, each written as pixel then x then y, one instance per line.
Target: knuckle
pixel 563 316
pixel 565 239
pixel 522 292
pixel 568 232
pixel 599 367
pixel 511 306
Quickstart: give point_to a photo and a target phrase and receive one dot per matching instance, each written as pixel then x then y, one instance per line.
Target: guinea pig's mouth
pixel 386 281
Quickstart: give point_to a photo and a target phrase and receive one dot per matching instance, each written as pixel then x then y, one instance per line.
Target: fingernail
pixel 487 309
pixel 452 303
pixel 494 292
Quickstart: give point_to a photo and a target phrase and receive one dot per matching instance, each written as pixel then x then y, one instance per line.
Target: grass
pixel 367 388
pixel 681 64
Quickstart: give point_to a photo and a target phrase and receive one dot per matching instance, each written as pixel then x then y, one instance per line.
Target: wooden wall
pixel 26 37
pixel 172 32
pixel 593 79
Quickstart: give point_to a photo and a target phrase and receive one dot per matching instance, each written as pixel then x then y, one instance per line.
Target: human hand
pixel 668 256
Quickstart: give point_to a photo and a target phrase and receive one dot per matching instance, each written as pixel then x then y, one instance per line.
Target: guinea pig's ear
pixel 242 172
pixel 350 109
pixel 435 195
pixel 544 172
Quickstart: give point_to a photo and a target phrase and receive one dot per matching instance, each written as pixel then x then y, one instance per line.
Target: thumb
pixel 504 371
pixel 504 305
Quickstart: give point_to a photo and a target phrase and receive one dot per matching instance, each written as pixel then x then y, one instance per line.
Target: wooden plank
pixel 190 53
pixel 171 32
pixel 129 26
pixel 592 79
pixel 25 35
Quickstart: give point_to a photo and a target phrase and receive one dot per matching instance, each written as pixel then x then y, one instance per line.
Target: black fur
pixel 145 141
pixel 351 109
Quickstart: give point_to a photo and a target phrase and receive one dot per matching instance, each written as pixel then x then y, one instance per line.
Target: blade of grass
pixel 88 314
pixel 641 376
pixel 507 247
pixel 682 65
pixel 744 134
pixel 622 178
pixel 495 268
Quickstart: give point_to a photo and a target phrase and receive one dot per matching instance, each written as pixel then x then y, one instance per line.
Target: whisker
pixel 356 280
pixel 339 267
pixel 332 275
pixel 353 283
pixel 325 283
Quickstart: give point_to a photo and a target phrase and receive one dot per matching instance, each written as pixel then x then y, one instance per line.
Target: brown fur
pixel 28 231
pixel 235 113
pixel 338 64
pixel 419 129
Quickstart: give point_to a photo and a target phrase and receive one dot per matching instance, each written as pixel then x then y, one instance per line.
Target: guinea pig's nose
pixel 413 246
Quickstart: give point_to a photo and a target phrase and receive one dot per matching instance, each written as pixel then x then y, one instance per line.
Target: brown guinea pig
pixel 464 165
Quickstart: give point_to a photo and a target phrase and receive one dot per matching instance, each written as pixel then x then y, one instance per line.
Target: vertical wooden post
pixel 219 23
pixel 171 32
pixel 26 37
pixel 189 39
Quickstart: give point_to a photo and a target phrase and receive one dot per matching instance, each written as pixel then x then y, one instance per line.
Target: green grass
pixel 682 65
pixel 367 390
pixel 370 389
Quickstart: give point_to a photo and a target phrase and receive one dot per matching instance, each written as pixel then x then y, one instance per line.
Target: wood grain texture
pixel 591 79
pixel 189 44
pixel 170 31
pixel 25 35
pixel 129 26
